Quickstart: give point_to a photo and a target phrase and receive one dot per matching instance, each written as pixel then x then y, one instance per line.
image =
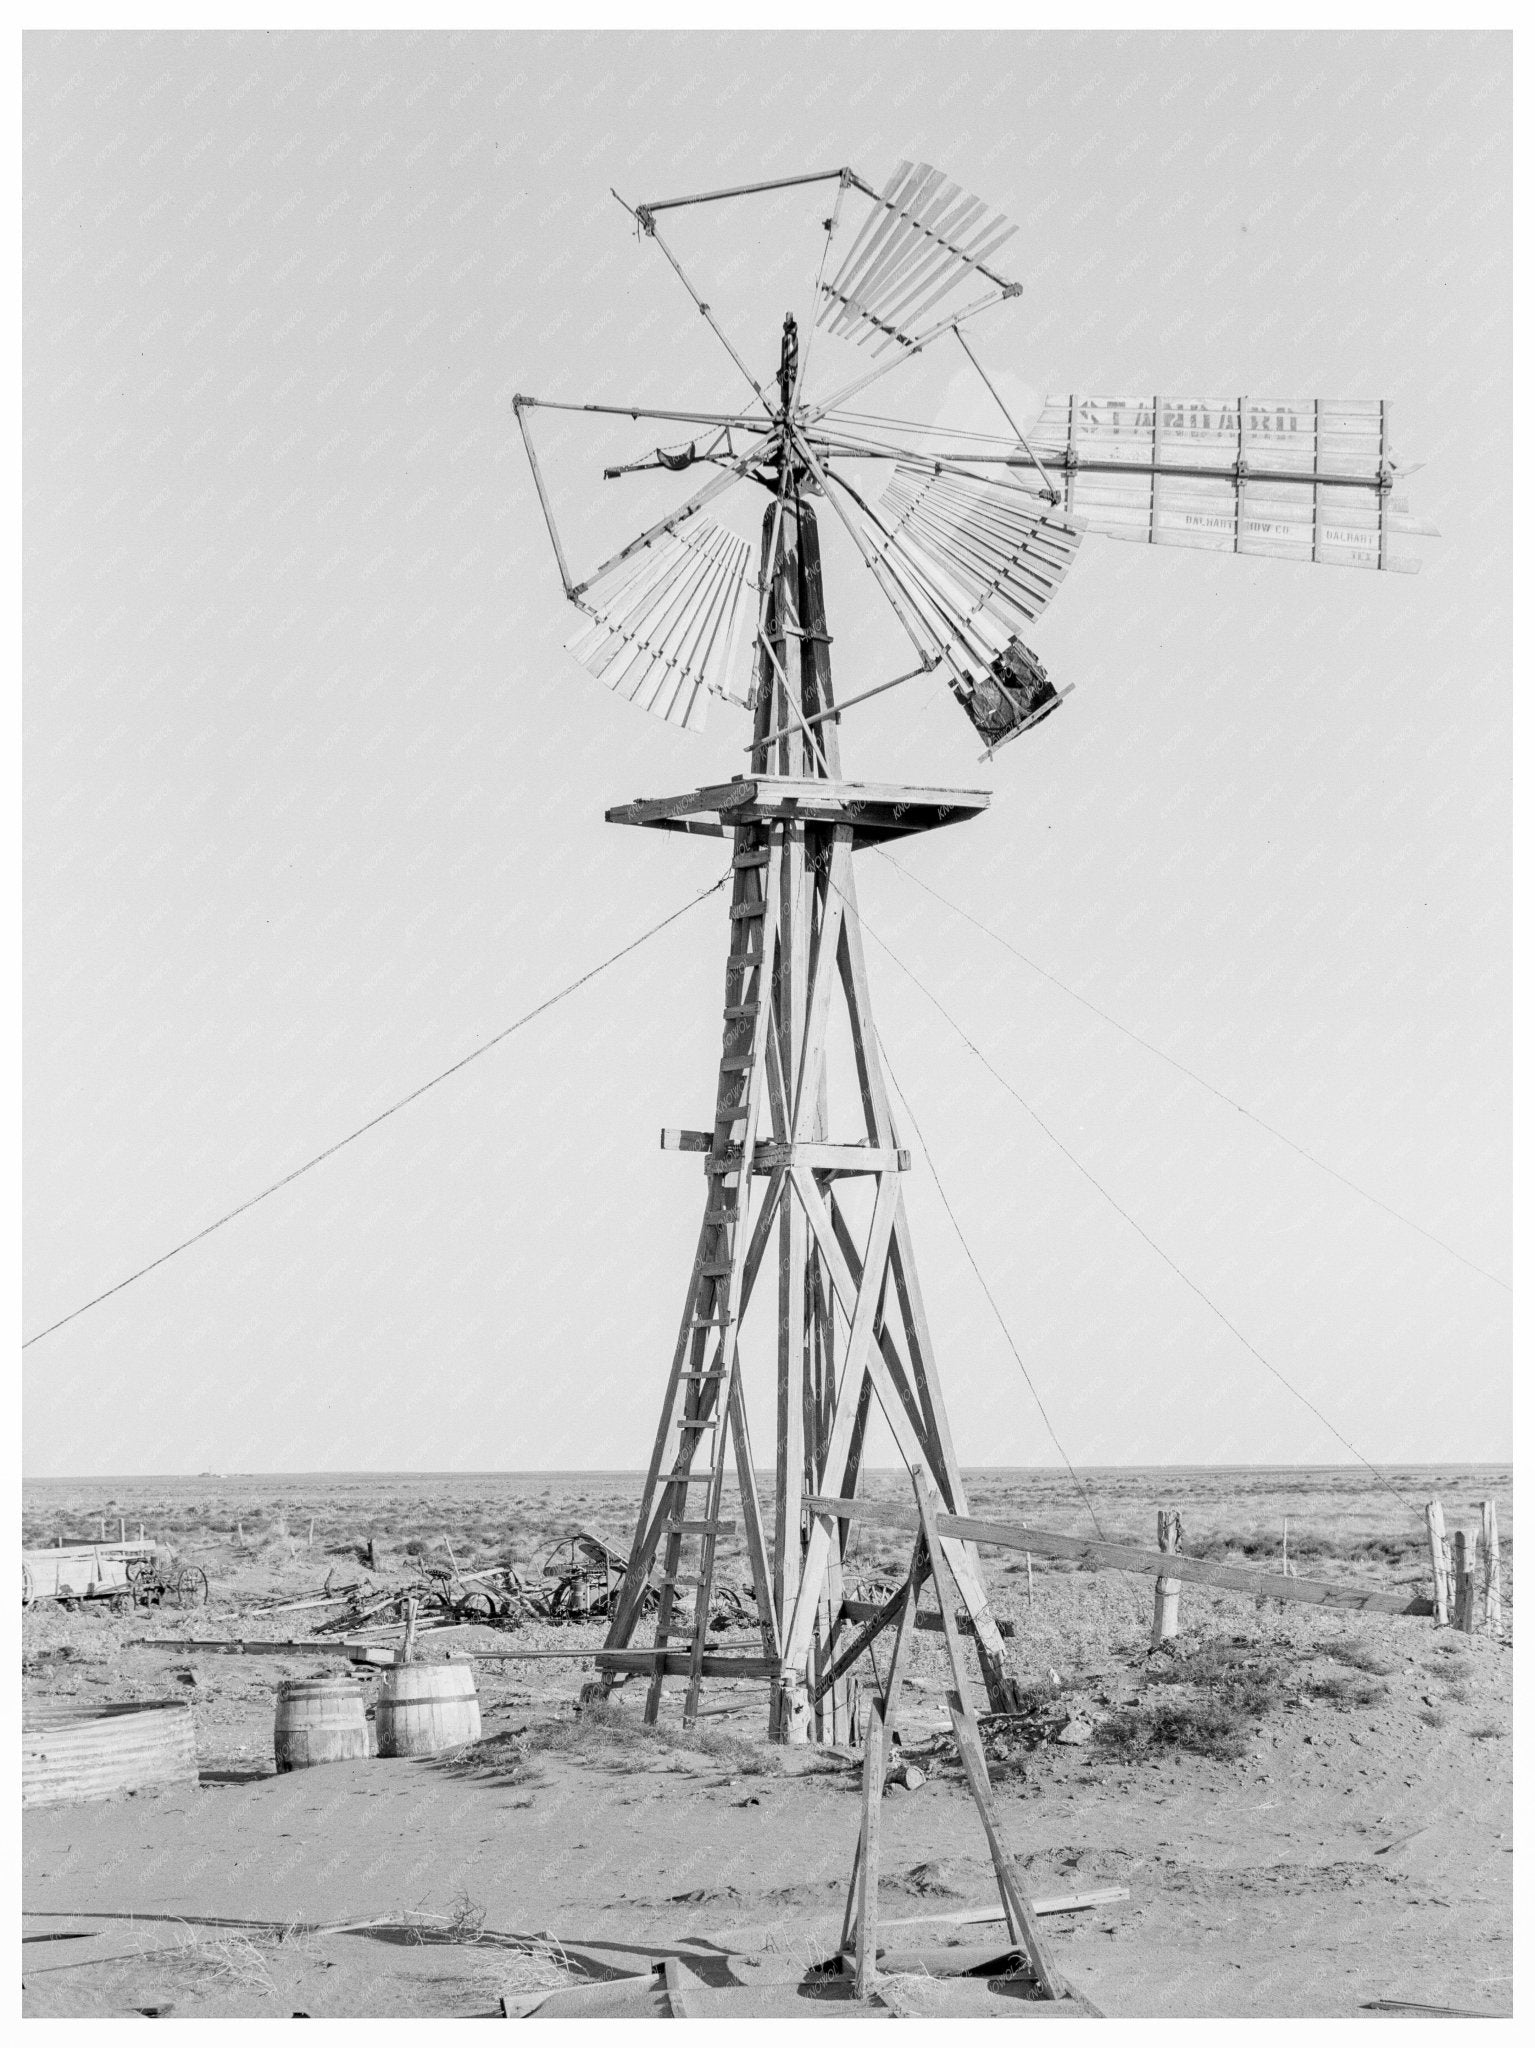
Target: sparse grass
pixel 1486 1731
pixel 541 1965
pixel 1362 1657
pixel 1434 1717
pixel 231 1958
pixel 1246 1682
pixel 604 1731
pixel 1348 1692
pixel 1205 1727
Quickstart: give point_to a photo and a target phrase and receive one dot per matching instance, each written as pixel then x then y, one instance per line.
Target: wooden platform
pixel 877 811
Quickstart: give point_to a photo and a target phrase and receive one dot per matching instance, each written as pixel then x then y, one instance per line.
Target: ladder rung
pixel 698 1422
pixel 733 1110
pixel 714 1270
pixel 681 1580
pixel 750 860
pixel 744 960
pixel 711 1322
pixel 701 1528
pixel 737 1063
pixel 687 1478
pixel 740 910
pixel 742 1009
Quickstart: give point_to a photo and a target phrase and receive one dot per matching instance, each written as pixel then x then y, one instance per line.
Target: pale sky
pixel 315 796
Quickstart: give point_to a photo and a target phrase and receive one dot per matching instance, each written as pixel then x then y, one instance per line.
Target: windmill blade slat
pixel 895 231
pixel 935 234
pixel 664 636
pixel 913 315
pixel 1024 576
pixel 978 560
pixel 917 253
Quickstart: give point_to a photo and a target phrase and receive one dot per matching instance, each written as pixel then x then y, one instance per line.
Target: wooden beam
pixel 1125 1557
pixel 772 1155
pixel 868 1867
pixel 866 1610
pixel 678 1663
pixel 1021 1922
pixel 980 1916
pixel 876 1619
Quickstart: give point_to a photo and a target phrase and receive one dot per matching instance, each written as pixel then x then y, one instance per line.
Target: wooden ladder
pixel 703 1390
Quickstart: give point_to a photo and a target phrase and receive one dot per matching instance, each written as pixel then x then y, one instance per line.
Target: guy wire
pixel 383 1115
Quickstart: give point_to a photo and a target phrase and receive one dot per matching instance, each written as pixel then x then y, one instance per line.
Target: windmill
pixel 967 543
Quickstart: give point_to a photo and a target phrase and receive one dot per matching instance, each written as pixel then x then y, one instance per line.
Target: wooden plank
pixel 1125 1557
pixel 676 1997
pixel 789 995
pixel 1492 1568
pixel 872 811
pixel 868 1871
pixel 1438 1555
pixel 866 1610
pixel 775 1154
pixel 981 1916
pixel 677 1663
pixel 878 1619
pixel 1022 1923
pixel 860 1356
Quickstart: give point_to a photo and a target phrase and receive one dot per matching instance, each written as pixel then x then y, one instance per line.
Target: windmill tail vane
pixel 968 536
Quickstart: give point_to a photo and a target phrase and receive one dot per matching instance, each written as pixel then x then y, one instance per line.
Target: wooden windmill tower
pixel 968 545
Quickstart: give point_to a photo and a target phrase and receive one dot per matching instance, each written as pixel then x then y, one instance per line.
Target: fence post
pixel 1492 1568
pixel 1438 1560
pixel 1028 1560
pixel 1465 1581
pixel 310 1543
pixel 1164 1618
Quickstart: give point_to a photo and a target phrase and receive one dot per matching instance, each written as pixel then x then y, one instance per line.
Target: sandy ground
pixel 1356 1844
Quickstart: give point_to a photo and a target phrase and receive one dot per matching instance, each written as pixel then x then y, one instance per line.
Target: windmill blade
pixel 665 635
pixel 924 236
pixel 983 555
pixel 1310 482
pixel 976 561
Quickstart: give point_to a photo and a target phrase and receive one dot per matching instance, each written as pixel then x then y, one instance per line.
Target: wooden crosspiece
pixel 826 1211
pixel 860 1927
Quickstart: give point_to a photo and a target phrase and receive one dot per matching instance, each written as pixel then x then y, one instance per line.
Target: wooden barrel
pixel 424 1708
pixel 319 1721
pixel 70 1753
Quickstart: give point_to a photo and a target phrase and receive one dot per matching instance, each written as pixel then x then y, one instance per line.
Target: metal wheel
pixel 138 1568
pixel 191 1587
pixel 122 1603
pixel 28 1587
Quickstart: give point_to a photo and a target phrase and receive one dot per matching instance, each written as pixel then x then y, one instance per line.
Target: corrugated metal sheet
pixel 923 237
pixel 666 635
pixel 1310 481
pixel 77 1753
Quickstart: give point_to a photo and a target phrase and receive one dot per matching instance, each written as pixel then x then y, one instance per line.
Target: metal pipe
pixel 741 191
